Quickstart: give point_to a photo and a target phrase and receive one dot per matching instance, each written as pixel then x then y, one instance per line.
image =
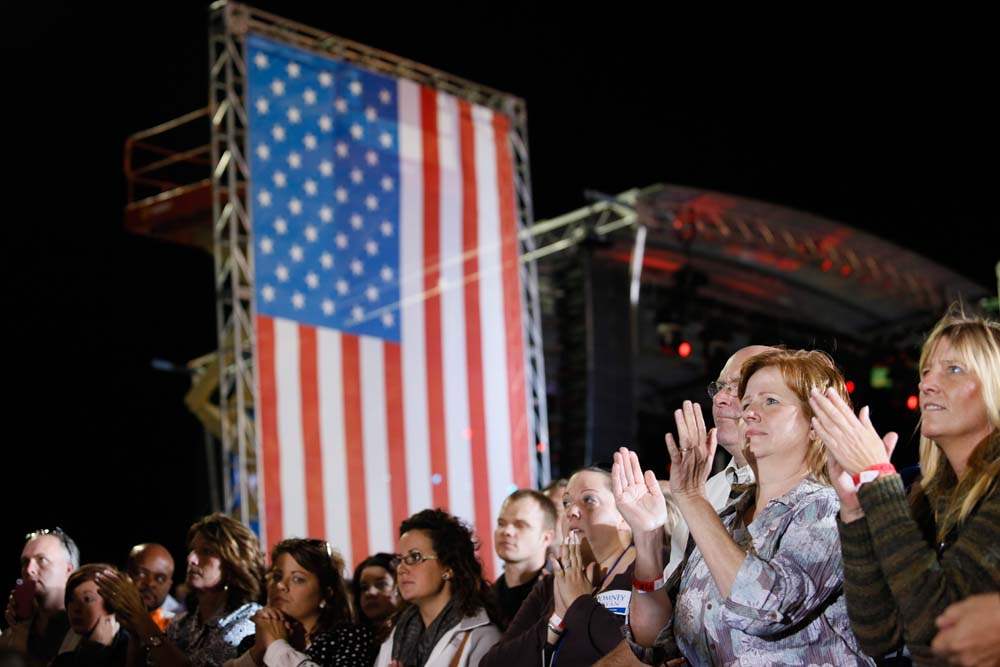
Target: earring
pixel 322 604
pixel 446 576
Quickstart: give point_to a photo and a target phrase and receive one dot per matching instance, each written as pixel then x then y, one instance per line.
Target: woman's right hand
pixel 692 455
pixel 637 496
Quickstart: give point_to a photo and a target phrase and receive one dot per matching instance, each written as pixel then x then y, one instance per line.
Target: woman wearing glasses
pixel 450 620
pixel 307 620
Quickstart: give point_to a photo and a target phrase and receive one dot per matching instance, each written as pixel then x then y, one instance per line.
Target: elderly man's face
pixel 45 562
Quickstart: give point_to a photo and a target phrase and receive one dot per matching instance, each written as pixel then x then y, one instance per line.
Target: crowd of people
pixel 807 548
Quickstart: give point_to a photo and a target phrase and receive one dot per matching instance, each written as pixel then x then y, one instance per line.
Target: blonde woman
pixel 905 560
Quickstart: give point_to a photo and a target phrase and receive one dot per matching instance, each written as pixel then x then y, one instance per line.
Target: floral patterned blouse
pixel 211 643
pixel 786 605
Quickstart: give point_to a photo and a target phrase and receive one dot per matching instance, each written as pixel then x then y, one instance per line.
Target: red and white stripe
pixel 355 433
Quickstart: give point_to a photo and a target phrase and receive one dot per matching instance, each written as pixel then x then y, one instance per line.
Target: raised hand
pixel 638 497
pixel 850 439
pixel 691 459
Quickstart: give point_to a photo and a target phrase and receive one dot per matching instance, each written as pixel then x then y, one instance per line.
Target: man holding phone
pixel 36 610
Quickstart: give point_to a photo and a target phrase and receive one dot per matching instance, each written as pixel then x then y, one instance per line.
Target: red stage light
pixel 845 270
pixel 826 265
pixel 850 386
pixel 684 349
pixel 912 402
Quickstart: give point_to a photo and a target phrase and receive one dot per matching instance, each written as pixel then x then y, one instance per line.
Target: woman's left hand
pixel 105 630
pixel 852 440
pixel 573 576
pixel 124 598
pixel 271 626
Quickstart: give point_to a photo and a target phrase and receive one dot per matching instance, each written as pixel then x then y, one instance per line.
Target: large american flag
pixel 390 353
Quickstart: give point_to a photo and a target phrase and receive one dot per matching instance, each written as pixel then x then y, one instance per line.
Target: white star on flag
pixel 266 245
pixel 371 248
pixel 312 280
pixel 371 115
pixel 326 214
pixel 263 152
pixel 357 313
pixel 384 96
pixel 387 183
pixel 341 240
pixel 341 149
pixel 309 96
pixel 264 198
pixel 385 139
pixel 298 300
pixel 326 168
pixel 386 274
pixel 262 106
pixel 340 104
pixel 372 293
pixel 281 272
pixel 326 260
pixel 387 319
pixel 268 293
pixel 295 206
pixel 325 79
pixel 325 123
pixel 371 201
pixel 311 234
pixel 278 132
pixel 260 60
pixel 342 287
pixel 356 220
pixel 294 115
pixel 371 157
pixel 310 142
pixel 357 132
pixel 296 253
pixel 280 179
pixel 328 307
pixel 310 187
pixel 386 228
pixel 341 195
pixel 278 87
pixel 280 225
pixel 356 175
pixel 293 70
pixel 357 268
pixel 294 160
pixel 355 87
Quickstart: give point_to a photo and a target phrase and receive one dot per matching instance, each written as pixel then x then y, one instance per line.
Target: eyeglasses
pixel 414 557
pixel 716 387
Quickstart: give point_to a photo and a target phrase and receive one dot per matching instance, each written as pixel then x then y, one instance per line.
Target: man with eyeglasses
pixel 48 558
pixel 151 567
pixel 726 415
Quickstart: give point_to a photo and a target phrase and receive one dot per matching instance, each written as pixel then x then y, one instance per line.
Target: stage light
pixel 880 378
pixel 684 349
pixel 850 386
pixel 912 402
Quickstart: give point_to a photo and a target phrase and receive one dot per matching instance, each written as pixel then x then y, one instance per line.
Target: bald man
pixel 726 414
pixel 151 567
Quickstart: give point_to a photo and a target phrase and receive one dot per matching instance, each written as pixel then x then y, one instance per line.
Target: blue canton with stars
pixel 324 170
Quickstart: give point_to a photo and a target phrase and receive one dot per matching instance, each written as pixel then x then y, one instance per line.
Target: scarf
pixel 412 643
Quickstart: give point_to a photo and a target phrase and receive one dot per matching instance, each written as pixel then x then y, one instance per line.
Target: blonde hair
pixel 976 342
pixel 802 370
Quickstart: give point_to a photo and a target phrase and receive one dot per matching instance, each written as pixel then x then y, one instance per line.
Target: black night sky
pixel 885 127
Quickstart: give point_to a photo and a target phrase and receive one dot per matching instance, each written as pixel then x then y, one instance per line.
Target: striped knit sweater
pixel 895 580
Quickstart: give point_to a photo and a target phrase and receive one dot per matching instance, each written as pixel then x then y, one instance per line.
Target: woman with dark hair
pixel 375 596
pixel 224 571
pixel 308 619
pixel 451 618
pixel 103 642
pixel 575 616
